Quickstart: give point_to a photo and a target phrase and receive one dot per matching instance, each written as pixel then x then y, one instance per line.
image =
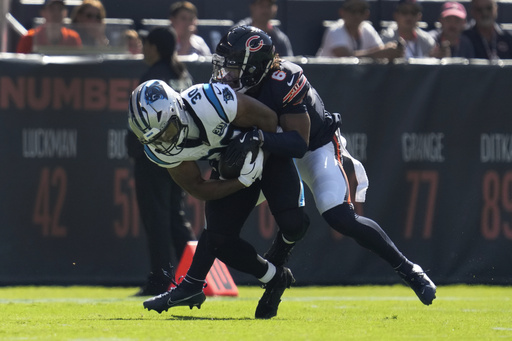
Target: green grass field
pixel 306 313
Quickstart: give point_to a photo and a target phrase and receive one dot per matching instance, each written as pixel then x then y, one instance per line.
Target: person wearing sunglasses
pixel 88 20
pixel 489 40
pixel 417 42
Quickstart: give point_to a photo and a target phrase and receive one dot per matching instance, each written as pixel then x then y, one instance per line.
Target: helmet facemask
pixel 170 141
pixel 239 76
pixel 226 74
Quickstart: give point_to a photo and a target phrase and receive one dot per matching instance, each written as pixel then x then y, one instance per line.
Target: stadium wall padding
pixel 435 141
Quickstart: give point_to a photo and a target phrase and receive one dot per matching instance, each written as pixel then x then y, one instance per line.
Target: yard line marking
pixel 385 298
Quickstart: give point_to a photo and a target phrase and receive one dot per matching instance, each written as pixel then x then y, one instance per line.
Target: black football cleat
pixel 179 296
pixel 418 280
pixel 269 302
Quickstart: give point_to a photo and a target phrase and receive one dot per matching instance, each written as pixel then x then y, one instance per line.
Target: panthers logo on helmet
pixel 254 43
pixel 227 95
pixel 154 92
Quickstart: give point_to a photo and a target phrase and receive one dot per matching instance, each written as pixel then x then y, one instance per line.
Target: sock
pixel 271 271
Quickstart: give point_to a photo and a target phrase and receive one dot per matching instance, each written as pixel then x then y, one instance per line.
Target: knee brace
pixel 293 224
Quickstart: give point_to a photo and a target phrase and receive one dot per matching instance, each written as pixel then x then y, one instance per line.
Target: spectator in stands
pixel 89 20
pixel 489 40
pixel 183 16
pixel 353 35
pixel 449 38
pixel 52 32
pixel 262 11
pixel 133 42
pixel 160 199
pixel 417 42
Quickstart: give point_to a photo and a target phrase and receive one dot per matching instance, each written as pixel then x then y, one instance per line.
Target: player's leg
pixel 284 192
pixel 225 243
pixel 285 196
pixel 322 173
pixel 224 220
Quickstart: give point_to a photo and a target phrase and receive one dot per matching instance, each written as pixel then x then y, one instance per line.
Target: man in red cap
pixel 51 32
pixel 449 38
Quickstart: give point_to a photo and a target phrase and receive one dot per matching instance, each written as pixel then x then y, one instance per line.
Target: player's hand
pixel 238 148
pixel 251 170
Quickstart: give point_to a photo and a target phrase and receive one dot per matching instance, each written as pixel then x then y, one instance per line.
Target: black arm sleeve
pixel 288 143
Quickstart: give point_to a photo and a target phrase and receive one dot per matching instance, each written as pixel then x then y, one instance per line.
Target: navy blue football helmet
pixel 243 58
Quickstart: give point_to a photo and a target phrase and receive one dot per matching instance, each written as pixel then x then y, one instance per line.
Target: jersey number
pixel 194 96
pixel 279 75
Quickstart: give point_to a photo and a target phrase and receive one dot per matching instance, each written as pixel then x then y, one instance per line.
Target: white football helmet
pixel 157 116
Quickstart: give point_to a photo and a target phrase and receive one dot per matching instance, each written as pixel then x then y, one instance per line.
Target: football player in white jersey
pixel 179 134
pixel 198 124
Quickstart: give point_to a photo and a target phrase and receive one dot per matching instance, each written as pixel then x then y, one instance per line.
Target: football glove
pixel 251 170
pixel 238 148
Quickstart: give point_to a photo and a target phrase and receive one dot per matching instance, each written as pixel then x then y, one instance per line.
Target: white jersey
pixel 211 109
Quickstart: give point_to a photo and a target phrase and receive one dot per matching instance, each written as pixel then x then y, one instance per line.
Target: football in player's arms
pixel 232 159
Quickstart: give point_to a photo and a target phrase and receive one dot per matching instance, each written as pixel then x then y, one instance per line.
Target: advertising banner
pixel 435 141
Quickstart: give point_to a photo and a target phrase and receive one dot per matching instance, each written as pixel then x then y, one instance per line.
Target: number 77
pixel 416 178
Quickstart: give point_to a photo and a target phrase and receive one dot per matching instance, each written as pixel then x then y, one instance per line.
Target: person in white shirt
pixel 354 35
pixel 418 43
pixel 183 17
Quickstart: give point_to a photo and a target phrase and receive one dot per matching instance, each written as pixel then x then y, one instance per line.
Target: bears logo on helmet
pixel 249 44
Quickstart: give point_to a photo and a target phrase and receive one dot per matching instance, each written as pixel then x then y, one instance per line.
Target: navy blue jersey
pixel 287 91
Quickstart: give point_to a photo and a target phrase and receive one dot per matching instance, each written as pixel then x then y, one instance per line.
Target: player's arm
pixel 253 113
pixel 188 176
pixel 299 123
pixel 292 142
pixel 293 118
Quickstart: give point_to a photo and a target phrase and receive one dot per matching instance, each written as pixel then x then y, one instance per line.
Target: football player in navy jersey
pixel 312 136
pixel 177 130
